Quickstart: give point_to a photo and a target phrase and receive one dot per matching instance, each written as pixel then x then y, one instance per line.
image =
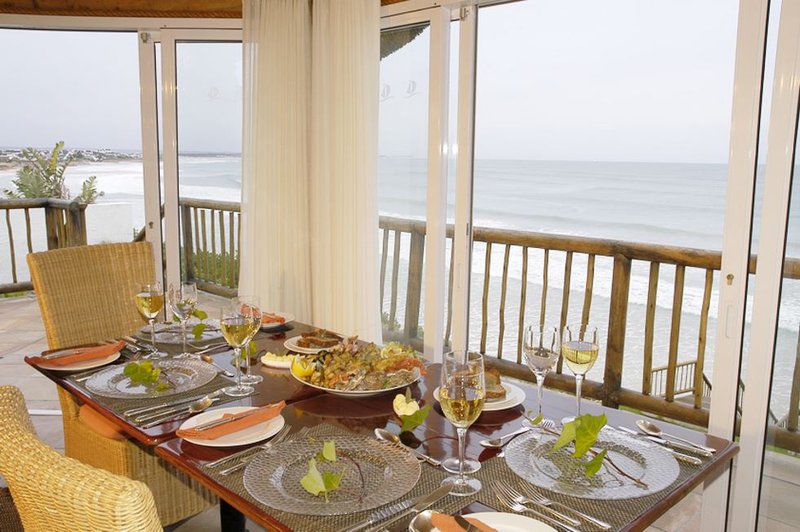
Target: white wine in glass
pixel 579 347
pixel 150 300
pixel 239 322
pixel 182 301
pixel 462 395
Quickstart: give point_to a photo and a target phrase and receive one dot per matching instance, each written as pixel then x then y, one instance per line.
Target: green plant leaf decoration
pixel 316 482
pixel 198 330
pixel 583 432
pixel 145 374
pixel 594 465
pixel 414 420
pixel 313 482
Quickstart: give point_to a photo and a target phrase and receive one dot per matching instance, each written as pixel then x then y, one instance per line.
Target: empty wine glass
pixel 462 395
pixel 542 347
pixel 150 301
pixel 579 347
pixel 239 322
pixel 182 300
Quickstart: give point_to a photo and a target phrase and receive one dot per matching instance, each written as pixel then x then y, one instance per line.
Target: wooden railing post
pixel 414 288
pixel 51 223
pixel 76 224
pixel 188 243
pixel 617 321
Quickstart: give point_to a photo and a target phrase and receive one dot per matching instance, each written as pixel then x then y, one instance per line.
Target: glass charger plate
pixel 530 456
pixel 383 474
pixel 185 374
pixel 170 333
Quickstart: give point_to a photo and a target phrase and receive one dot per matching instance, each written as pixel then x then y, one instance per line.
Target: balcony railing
pixel 679 390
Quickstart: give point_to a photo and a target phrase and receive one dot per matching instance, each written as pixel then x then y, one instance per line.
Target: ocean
pixel 661 203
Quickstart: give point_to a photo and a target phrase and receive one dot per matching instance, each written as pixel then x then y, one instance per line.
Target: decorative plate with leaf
pixel 148 379
pixel 531 456
pixel 332 475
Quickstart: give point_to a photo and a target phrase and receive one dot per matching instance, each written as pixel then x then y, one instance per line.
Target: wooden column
pixel 617 321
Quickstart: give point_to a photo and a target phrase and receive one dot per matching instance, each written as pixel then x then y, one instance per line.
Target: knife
pixel 421 504
pixel 380 515
pixel 666 445
pixel 463 523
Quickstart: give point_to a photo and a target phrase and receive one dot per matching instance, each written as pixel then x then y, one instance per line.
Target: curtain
pixel 309 206
pixel 274 253
pixel 344 147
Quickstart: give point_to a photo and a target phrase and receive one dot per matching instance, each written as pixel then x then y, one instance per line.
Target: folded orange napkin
pixel 447 523
pixel 89 353
pixel 237 422
pixel 267 318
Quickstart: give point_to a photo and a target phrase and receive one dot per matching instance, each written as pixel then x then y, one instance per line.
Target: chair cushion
pixel 95 421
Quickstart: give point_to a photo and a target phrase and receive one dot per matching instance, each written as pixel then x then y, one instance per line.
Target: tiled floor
pixel 21 333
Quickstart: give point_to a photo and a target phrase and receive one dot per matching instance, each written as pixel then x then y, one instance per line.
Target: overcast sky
pixel 638 80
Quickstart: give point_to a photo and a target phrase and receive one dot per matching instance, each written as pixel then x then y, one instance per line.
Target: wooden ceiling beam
pixel 131 8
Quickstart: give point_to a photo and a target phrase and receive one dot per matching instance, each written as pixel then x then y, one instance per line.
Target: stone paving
pixel 22 332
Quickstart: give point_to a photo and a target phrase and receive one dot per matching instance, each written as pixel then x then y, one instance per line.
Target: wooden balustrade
pixel 65 225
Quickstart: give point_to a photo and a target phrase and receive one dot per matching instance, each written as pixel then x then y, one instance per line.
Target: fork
pixel 246 460
pixel 519 498
pixel 544 501
pixel 520 508
pixel 277 438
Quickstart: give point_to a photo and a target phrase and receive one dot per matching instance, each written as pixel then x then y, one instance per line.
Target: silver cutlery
pixel 194 408
pixel 496 443
pixel 147 416
pixel 673 444
pixel 168 404
pixel 210 348
pixel 521 508
pixel 277 438
pixel 544 501
pixel 652 429
pixel 380 515
pixel 685 458
pixel 207 359
pixel 389 437
pixel 519 498
pixel 422 504
pixel 463 523
pixel 246 460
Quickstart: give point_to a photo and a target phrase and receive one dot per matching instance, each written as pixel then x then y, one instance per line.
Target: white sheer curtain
pixel 275 254
pixel 310 210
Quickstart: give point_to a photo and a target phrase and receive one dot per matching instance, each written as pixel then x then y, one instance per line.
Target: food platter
pixel 356 393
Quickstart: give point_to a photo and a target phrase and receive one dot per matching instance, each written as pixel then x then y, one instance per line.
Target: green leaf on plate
pixel 313 482
pixel 586 432
pixel 416 419
pixel 567 436
pixel 198 330
pixel 199 314
pixel 594 465
pixel 329 451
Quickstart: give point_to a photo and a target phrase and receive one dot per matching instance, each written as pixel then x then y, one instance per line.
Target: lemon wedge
pixel 301 368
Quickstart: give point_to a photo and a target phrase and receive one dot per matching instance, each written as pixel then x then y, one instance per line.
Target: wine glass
pixel 542 347
pixel 239 322
pixel 579 347
pixel 150 301
pixel 247 375
pixel 182 300
pixel 461 395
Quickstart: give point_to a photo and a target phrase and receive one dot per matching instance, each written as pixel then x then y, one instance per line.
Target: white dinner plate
pixel 505 522
pixel 288 318
pixel 253 434
pixel 514 396
pixel 79 366
pixel 291 345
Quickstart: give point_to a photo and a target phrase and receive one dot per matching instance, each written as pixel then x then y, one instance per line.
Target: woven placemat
pixel 429 480
pixel 118 405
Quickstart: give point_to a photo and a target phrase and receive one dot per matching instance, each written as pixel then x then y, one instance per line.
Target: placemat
pixel 618 513
pixel 430 479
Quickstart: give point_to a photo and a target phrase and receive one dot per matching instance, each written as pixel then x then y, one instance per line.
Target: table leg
pixel 230 519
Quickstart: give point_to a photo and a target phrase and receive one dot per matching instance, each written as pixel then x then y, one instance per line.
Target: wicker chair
pixel 86 295
pixel 53 492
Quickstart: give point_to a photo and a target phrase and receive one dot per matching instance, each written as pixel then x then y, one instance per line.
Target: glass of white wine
pixel 462 395
pixel 542 348
pixel 150 301
pixel 182 299
pixel 247 372
pixel 579 347
pixel 239 322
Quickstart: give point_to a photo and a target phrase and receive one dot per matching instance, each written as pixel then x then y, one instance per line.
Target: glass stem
pixel 237 353
pixel 247 360
pixel 153 334
pixel 462 442
pixel 539 383
pixel 183 335
pixel 578 384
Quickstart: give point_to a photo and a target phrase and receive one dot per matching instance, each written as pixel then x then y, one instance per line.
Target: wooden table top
pixel 310 407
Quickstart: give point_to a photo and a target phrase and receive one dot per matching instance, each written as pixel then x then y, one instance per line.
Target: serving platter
pixel 355 393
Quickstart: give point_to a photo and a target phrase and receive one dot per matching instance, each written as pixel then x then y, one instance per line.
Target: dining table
pixel 315 409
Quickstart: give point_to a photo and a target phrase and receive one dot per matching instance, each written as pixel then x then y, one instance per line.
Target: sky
pixel 622 80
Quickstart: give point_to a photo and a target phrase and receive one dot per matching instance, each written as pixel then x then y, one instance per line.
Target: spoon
pixel 194 408
pixel 385 435
pixel 496 443
pixel 422 522
pixel 653 430
pixel 207 358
